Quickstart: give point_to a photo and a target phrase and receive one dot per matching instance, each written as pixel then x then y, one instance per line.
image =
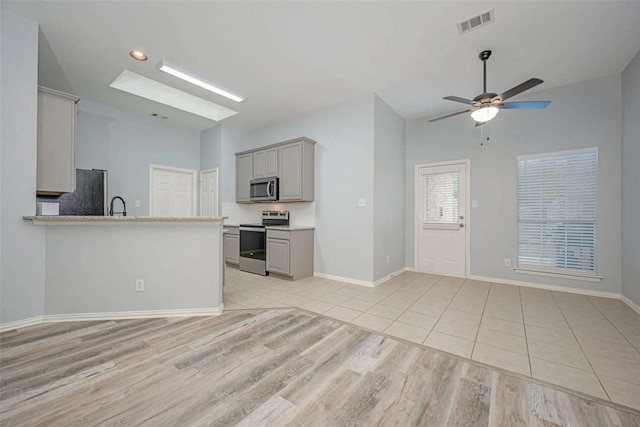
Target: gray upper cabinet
pixel 297 171
pixel 244 175
pixel 56 171
pixel 265 163
pixel 291 161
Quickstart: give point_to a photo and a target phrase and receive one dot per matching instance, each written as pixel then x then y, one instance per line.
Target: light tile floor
pixel 589 344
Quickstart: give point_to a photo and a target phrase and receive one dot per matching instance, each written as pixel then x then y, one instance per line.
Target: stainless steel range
pixel 253 241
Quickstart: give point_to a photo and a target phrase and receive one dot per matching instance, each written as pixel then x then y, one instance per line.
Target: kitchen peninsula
pixel 128 267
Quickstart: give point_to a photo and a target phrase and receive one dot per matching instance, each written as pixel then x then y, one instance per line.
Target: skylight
pixel 144 87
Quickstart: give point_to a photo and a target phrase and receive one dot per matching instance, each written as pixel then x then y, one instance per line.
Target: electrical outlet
pixel 474 203
pixel 362 202
pixel 138 203
pixel 139 285
pixel 388 259
pixel 507 262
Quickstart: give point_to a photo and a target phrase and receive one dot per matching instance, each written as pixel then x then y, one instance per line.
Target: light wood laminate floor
pixel 263 367
pixel 584 343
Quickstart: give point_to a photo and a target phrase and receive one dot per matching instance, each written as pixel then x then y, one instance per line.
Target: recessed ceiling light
pixel 144 87
pixel 176 72
pixel 136 54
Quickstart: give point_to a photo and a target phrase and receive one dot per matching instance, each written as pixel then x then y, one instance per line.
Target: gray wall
pixel 93 268
pixel 388 184
pixel 631 180
pixel 50 73
pixel 125 145
pixel 343 174
pixel 581 115
pixel 22 245
pixel 234 139
pixel 211 148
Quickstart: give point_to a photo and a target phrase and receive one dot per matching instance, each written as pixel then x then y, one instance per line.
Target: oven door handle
pixel 255 230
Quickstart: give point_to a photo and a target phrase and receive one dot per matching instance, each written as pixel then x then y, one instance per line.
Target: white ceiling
pixel 291 58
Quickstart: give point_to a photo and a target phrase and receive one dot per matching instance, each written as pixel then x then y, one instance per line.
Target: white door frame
pixel 194 177
pixel 416 203
pixel 217 189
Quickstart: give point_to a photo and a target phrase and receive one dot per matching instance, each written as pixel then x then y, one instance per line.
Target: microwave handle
pixel 269 184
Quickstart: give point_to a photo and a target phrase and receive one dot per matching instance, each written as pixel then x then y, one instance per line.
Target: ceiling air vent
pixel 476 22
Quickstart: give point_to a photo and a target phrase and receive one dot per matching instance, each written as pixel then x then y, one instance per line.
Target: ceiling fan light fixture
pixel 484 114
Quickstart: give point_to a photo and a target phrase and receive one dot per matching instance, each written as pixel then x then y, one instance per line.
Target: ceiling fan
pixel 485 106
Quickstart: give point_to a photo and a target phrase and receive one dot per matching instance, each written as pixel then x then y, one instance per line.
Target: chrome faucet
pixel 124 207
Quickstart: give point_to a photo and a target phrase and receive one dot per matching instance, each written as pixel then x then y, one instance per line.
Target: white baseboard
pixel 588 292
pixel 17 324
pixel 630 303
pixel 357 281
pixel 344 279
pixel 115 315
pixel 146 314
pixel 385 278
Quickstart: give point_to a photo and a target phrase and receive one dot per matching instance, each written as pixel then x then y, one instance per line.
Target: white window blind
pixel 441 199
pixel 557 212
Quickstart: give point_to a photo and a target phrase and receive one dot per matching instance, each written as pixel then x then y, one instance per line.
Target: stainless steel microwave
pixel 264 189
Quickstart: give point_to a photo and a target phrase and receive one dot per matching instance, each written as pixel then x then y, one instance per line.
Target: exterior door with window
pixel 441 240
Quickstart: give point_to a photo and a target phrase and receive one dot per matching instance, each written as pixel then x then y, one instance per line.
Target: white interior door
pixel 172 192
pixel 441 219
pixel 209 193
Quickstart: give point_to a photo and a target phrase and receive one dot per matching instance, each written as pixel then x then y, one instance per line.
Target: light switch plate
pixel 362 202
pixel 474 203
pixel 138 203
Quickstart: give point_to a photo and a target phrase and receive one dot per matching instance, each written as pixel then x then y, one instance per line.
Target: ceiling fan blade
pixel 458 99
pixel 524 105
pixel 449 115
pixel 520 88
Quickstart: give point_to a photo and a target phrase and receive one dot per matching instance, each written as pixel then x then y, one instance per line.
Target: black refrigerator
pixel 90 197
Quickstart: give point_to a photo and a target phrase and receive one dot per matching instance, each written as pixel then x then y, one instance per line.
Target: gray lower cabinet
pixel 56 170
pixel 244 175
pixel 290 253
pixel 278 256
pixel 231 248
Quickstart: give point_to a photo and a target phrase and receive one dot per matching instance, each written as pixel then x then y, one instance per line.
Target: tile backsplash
pixel 303 213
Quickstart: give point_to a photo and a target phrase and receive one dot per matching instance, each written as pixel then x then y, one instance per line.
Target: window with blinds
pixel 557 212
pixel 441 200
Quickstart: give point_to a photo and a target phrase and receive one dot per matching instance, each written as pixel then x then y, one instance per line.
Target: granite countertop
pixel 61 219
